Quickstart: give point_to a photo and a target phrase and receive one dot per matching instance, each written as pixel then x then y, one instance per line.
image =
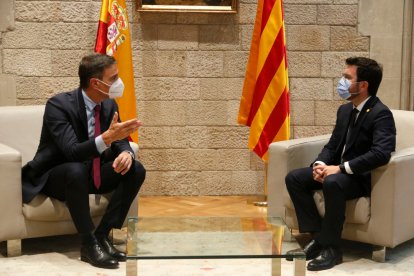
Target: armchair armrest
pixel 135 148
pixel 392 199
pixel 11 216
pixel 285 156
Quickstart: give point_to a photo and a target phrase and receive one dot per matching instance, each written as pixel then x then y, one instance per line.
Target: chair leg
pixel 378 253
pixel 14 248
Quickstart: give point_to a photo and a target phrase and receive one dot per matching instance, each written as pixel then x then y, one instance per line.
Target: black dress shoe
pixel 112 251
pixel 97 256
pixel 312 250
pixel 328 258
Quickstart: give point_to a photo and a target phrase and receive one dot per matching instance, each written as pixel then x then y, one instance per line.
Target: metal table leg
pixel 300 266
pixel 276 267
pixel 131 267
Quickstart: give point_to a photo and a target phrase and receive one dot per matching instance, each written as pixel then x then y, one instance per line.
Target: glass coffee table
pixel 161 238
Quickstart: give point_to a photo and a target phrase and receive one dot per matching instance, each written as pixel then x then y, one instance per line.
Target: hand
pixel 118 131
pixel 328 170
pixel 122 163
pixel 318 173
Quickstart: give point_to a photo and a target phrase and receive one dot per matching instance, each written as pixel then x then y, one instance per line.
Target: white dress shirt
pixel 90 117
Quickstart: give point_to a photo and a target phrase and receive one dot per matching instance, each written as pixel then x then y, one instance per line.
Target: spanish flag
pixel 264 105
pixel 114 39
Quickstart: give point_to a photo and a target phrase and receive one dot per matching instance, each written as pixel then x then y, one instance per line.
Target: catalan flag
pixel 114 39
pixel 264 105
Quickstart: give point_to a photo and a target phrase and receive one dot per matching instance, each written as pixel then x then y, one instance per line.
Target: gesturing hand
pixel 118 131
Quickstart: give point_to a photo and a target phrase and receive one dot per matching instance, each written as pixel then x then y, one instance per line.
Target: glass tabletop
pixel 209 237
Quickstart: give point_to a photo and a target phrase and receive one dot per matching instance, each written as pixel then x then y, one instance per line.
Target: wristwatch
pixel 132 155
pixel 342 168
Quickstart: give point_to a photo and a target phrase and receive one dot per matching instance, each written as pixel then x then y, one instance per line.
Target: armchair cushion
pixel 357 210
pixel 43 208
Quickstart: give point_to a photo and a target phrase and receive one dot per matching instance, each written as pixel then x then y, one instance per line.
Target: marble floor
pixel 59 255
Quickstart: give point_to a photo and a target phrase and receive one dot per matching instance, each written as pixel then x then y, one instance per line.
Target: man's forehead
pixel 111 72
pixel 349 71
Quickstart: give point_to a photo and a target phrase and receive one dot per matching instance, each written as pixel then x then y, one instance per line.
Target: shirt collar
pixel 361 105
pixel 90 105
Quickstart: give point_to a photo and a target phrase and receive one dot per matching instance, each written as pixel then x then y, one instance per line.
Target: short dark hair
pixel 367 70
pixel 93 66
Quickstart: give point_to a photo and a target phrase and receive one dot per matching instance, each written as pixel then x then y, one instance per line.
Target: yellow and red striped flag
pixel 114 39
pixel 264 105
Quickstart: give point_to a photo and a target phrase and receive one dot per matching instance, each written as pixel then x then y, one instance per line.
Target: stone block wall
pixel 189 71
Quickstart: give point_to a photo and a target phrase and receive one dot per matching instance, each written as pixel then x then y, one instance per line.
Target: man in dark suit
pixel 362 140
pixel 84 150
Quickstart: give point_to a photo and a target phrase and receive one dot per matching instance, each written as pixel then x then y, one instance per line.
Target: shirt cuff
pixel 318 163
pixel 348 168
pixel 100 144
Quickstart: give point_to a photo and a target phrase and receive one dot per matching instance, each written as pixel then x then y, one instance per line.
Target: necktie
pixel 97 161
pixel 352 120
pixel 351 125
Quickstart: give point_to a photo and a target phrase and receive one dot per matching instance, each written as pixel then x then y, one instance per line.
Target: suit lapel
pixel 106 110
pixel 344 117
pixel 360 120
pixel 82 110
pixel 105 115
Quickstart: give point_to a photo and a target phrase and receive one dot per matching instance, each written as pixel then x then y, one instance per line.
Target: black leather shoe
pixel 328 258
pixel 111 250
pixel 97 256
pixel 312 250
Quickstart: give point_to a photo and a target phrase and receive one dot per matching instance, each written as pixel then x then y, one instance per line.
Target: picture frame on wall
pixel 198 6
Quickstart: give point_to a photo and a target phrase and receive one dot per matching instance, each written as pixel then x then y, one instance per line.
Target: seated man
pixel 362 140
pixel 84 150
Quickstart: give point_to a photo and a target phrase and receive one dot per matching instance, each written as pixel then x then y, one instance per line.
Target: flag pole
pixel 264 104
pixel 263 201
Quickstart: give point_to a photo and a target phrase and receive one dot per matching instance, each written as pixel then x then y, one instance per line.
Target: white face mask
pixel 116 90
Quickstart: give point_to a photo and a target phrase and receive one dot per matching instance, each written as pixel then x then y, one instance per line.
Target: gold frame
pixel 187 8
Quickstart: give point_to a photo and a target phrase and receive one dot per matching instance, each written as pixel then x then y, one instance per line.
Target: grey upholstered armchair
pixel 384 219
pixel 20 128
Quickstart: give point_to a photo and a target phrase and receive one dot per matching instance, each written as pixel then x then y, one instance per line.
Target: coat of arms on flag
pixel 114 39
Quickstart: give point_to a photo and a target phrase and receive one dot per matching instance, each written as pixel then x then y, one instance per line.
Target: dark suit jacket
pixel 371 143
pixel 64 138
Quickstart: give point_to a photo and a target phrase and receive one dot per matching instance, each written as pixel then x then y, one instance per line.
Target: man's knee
pixel 139 171
pixel 331 184
pixel 291 179
pixel 76 176
pixel 76 170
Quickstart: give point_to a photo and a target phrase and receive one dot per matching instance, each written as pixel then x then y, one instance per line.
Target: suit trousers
pixel 337 188
pixel 72 182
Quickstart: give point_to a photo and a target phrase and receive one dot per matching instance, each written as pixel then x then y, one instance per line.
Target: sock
pixel 88 238
pixel 102 230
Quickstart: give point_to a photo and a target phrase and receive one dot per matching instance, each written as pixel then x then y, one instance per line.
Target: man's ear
pixel 93 83
pixel 364 85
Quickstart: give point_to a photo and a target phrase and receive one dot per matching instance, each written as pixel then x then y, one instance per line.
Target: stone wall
pixel 189 72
